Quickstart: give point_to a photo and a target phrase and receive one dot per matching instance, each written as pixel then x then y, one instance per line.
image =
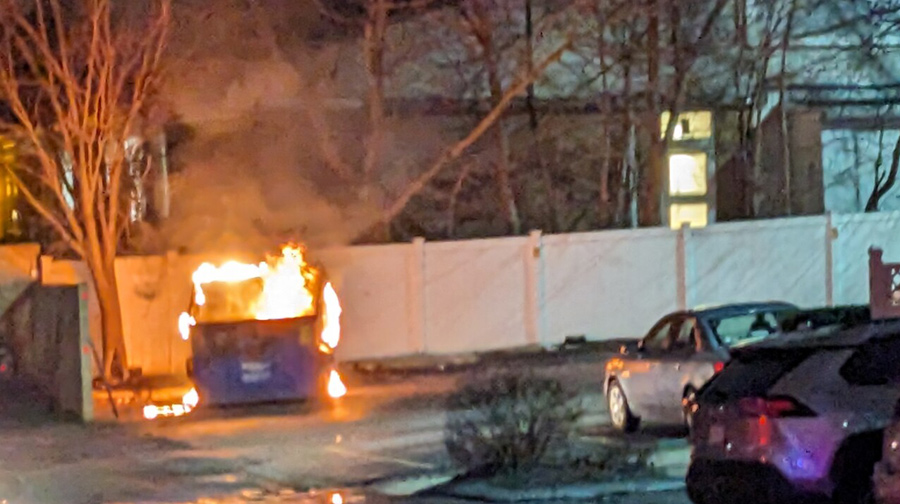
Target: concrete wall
pixel 477 295
pixel 47 329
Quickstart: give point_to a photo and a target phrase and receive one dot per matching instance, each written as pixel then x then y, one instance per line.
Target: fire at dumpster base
pixel 336 388
pixel 189 401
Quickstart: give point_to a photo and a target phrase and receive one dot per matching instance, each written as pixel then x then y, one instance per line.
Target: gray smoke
pixel 250 174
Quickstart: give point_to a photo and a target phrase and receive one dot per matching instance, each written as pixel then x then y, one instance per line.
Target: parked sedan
pixel 797 418
pixel 654 380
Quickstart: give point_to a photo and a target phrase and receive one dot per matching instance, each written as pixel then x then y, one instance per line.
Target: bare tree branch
pixel 76 80
pixel 484 125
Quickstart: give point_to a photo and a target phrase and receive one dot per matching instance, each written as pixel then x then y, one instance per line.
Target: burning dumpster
pixel 263 332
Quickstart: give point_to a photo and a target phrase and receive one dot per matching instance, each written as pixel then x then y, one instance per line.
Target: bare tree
pixel 478 21
pixel 77 79
pixel 884 180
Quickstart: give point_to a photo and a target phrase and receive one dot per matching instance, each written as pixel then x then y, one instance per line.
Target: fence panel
pixel 779 259
pixel 474 295
pixel 608 284
pixel 372 284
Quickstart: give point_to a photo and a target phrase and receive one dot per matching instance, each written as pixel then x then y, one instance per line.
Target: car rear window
pixel 734 329
pixel 876 362
pixel 750 376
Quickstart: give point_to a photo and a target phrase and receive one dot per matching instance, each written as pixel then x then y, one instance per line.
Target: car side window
pixel 658 339
pixel 685 341
pixel 874 363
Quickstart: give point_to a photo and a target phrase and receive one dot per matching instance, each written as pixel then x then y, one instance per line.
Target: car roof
pixel 731 310
pixel 829 337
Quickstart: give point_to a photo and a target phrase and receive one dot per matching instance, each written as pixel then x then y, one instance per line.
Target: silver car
pixel 655 380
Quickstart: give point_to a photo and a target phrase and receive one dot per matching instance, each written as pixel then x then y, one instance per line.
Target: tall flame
pixel 185 322
pixel 331 328
pixel 285 292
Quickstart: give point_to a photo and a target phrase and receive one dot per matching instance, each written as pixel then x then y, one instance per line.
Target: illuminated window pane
pixel 693 214
pixel 687 174
pixel 690 126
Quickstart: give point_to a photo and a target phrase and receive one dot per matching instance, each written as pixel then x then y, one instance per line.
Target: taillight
pixel 718 367
pixel 776 407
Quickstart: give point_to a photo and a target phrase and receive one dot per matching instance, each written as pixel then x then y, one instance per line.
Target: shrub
pixel 506 422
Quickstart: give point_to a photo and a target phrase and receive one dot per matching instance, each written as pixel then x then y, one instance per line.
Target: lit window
pixel 693 214
pixel 687 174
pixel 690 126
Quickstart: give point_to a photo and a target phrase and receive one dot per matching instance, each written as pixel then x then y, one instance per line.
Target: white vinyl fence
pixel 478 295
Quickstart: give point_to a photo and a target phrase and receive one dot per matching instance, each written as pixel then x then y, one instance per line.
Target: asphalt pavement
pixel 390 425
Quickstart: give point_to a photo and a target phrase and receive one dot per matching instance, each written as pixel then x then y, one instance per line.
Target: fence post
pixel 829 260
pixel 85 354
pixel 533 262
pixel 416 304
pixel 681 294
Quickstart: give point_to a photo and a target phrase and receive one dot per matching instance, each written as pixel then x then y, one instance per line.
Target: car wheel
pixel 854 467
pixel 619 412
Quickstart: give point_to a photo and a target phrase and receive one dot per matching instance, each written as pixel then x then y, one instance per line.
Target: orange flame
pixel 336 388
pixel 331 329
pixel 189 401
pixel 185 322
pixel 285 290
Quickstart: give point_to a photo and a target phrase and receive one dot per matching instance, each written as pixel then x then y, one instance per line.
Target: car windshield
pixel 735 329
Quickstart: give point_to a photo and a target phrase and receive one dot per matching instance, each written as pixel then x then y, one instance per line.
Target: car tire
pixel 620 414
pixel 854 466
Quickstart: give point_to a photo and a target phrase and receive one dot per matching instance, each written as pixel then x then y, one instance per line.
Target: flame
pixel 185 322
pixel 336 388
pixel 336 498
pixel 331 329
pixel 286 282
pixel 151 412
pixel 285 292
pixel 189 401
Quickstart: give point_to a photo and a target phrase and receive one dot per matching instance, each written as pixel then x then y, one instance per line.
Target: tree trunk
pixel 884 182
pixel 507 195
pixel 785 133
pixel 651 179
pixel 552 219
pixel 115 356
pixel 374 41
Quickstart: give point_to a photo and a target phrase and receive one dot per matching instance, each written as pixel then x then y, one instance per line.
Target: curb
pixel 424 364
pixel 412 485
pixel 671 461
pixel 485 492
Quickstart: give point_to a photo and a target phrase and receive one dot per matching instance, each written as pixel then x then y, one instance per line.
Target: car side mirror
pixel 640 345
